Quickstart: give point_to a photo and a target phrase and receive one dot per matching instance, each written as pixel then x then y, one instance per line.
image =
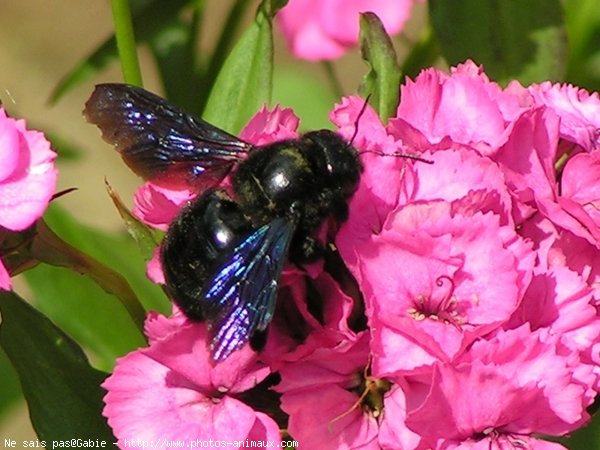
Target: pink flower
pixel 157 206
pixel 270 126
pixel 335 381
pixel 577 109
pixel 502 392
pixel 27 178
pixel 464 107
pixel 171 391
pixel 326 381
pixel 325 29
pixel 27 174
pixel 489 237
pixel 435 281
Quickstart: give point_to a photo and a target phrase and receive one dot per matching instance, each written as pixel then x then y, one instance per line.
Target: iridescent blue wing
pixel 240 296
pixel 160 142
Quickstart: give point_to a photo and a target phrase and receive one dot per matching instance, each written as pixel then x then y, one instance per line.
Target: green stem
pixel 126 42
pixel 333 79
pixel 195 27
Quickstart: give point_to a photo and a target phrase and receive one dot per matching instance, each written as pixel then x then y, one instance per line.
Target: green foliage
pixel 244 82
pixel 512 39
pixel 62 390
pixel 383 78
pixel 9 380
pixel 582 21
pixel 94 308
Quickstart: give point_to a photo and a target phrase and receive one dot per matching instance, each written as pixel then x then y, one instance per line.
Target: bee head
pixel 338 159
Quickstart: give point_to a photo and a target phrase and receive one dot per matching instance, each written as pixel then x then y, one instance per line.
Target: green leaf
pixel 512 39
pixel 245 80
pixel 49 248
pixel 148 21
pixel 585 438
pixel 117 251
pixel 229 32
pixel 582 22
pixel 583 30
pixel 146 238
pixel 83 308
pixel 11 390
pixel 61 388
pixel 382 81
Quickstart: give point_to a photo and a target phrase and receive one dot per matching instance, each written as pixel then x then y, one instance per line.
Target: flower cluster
pixel 27 181
pixel 468 316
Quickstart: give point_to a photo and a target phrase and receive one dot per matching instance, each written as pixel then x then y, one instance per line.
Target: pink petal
pixel 465 106
pixel 393 429
pixel 157 206
pixel 186 353
pixel 527 160
pixel 300 25
pixel 154 268
pixel 5 283
pixel 167 407
pixel 455 174
pixel 271 126
pixel 578 110
pixel 9 147
pixel 29 179
pixel 339 424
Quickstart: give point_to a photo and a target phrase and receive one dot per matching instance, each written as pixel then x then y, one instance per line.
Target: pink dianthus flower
pixel 171 391
pixel 501 392
pixel 325 29
pixel 27 178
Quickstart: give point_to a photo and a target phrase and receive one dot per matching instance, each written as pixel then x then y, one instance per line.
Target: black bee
pixel 223 255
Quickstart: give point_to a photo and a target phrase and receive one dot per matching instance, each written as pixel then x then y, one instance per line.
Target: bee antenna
pixel 398 155
pixel 395 154
pixel 360 113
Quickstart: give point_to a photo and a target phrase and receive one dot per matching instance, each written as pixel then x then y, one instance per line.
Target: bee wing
pixel 160 142
pixel 240 296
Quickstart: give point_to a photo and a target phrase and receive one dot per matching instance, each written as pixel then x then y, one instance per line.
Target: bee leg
pixel 258 340
pixel 306 251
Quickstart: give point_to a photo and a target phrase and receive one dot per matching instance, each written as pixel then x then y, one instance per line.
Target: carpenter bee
pixel 223 255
